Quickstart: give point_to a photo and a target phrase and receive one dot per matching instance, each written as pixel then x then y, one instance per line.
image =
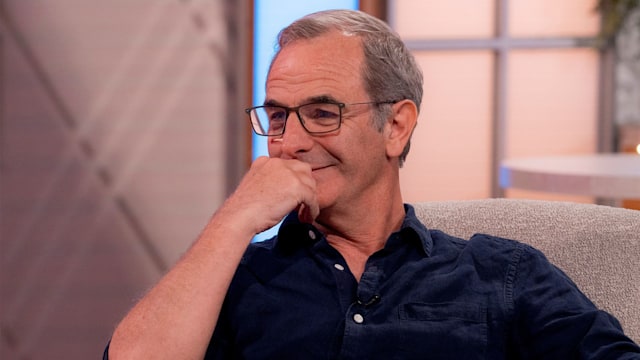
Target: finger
pixel 308 213
pixel 305 214
pixel 308 208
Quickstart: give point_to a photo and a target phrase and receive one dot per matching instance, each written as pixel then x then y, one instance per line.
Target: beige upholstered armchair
pixel 597 246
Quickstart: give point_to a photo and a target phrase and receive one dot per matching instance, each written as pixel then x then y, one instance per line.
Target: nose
pixel 295 138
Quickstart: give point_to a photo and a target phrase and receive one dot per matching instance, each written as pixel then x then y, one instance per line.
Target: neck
pixel 359 230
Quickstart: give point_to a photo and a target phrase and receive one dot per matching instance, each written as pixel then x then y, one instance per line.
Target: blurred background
pixel 122 129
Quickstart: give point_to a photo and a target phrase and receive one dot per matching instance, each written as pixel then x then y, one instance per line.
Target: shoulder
pixel 266 259
pixel 259 255
pixel 487 251
pixel 259 248
pixel 479 243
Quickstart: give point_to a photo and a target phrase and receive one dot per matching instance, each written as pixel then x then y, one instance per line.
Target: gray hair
pixel 390 71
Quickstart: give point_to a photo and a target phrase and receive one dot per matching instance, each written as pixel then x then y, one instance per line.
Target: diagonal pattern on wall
pixel 114 118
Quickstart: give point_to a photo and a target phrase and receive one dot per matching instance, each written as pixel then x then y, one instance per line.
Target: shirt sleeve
pixel 553 319
pixel 219 349
pixel 221 346
pixel 105 355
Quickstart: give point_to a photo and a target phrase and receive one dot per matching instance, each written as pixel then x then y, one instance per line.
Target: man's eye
pixel 276 124
pixel 322 112
pixel 277 115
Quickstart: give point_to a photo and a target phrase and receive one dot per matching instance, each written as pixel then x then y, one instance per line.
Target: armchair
pixel 597 246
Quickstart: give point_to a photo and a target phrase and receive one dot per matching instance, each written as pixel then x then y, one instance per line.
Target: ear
pixel 399 127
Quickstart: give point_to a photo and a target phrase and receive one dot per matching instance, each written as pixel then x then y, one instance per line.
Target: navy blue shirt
pixel 424 295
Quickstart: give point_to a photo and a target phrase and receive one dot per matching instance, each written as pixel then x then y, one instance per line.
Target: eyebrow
pixel 328 99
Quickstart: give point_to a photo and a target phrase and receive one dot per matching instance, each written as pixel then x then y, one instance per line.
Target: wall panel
pixel 115 137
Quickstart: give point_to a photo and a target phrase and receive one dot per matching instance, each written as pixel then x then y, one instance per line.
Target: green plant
pixel 614 14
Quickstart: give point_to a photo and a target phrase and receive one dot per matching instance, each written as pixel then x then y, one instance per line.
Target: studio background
pixel 122 130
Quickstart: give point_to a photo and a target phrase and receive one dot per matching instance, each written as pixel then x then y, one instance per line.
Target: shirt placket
pixel 367 298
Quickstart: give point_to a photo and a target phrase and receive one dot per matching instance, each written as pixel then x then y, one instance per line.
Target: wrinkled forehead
pixel 332 44
pixel 325 65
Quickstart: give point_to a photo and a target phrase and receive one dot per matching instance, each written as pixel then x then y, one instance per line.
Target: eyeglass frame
pixel 296 109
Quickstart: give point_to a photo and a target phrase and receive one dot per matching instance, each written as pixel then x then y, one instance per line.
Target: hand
pixel 176 318
pixel 271 189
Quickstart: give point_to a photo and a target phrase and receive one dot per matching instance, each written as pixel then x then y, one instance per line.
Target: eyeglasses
pixel 316 118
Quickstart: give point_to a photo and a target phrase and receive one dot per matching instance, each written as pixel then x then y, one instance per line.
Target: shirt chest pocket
pixel 442 329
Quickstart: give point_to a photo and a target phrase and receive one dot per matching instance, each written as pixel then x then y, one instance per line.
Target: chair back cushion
pixel 597 246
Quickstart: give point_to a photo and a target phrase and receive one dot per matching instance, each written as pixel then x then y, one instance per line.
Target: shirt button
pixel 312 235
pixel 339 267
pixel 358 318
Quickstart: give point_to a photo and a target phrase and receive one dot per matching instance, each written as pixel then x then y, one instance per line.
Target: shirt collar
pixel 412 228
pixel 294 234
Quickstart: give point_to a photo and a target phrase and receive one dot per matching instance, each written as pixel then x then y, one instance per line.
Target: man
pixel 352 274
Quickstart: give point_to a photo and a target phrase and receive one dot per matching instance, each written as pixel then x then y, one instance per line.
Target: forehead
pixel 328 65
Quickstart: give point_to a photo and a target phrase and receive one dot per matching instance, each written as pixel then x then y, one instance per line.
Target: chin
pixel 327 199
pixel 328 188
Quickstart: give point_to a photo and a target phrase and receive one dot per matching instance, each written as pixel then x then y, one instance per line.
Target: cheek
pixel 273 148
pixel 368 147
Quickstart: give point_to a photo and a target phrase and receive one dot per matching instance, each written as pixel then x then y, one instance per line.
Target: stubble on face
pixel 344 162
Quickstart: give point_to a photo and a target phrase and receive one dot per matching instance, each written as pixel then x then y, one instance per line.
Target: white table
pixel 613 176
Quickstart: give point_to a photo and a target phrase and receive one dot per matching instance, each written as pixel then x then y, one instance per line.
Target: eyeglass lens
pixel 316 118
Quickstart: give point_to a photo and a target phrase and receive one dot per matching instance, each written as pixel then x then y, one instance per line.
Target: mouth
pixel 316 168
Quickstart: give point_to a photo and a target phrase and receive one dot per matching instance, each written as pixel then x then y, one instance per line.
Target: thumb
pixel 307 214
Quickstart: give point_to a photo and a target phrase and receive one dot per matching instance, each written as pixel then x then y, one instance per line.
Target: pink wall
pixel 550 96
pixel 115 139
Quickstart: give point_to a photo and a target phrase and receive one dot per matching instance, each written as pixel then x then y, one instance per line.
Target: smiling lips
pixel 320 167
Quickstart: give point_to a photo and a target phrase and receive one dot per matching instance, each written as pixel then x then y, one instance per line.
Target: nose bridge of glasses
pixel 295 111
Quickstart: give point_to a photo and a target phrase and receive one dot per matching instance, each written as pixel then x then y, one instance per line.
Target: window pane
pixel 443 19
pixel 543 18
pixel 553 94
pixel 450 154
pixel 552 103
